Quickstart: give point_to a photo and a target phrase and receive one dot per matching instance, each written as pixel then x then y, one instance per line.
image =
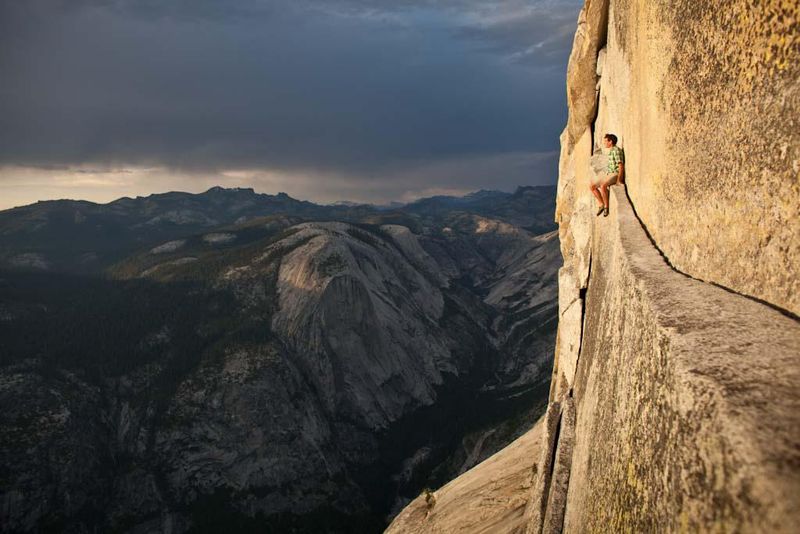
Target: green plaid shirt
pixel 615 157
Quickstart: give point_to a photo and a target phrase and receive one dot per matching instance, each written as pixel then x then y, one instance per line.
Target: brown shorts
pixel 609 179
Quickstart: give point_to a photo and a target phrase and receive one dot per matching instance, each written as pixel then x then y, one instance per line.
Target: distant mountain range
pixel 239 361
pixel 84 237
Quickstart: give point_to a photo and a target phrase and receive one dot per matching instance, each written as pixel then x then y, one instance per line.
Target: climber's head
pixel 610 139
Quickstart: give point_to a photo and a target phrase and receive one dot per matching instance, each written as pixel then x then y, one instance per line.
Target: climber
pixel 615 173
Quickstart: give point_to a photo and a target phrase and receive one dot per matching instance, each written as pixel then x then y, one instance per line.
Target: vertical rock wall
pixel 705 98
pixel 675 396
pixel 683 396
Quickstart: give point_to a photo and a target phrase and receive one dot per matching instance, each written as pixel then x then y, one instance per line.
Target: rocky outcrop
pixel 686 396
pixel 704 98
pixel 488 498
pixel 675 398
pixel 685 392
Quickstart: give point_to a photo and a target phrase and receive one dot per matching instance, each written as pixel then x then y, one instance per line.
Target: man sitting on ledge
pixel 615 172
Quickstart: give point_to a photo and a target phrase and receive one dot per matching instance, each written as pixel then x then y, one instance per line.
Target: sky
pixel 326 100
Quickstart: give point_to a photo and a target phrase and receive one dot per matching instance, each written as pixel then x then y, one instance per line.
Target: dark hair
pixel 611 137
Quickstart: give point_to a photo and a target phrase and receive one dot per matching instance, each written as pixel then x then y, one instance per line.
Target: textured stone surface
pixel 490 498
pixel 540 490
pixel 705 98
pixel 362 318
pixel 582 70
pixel 688 413
pixel 562 463
pixel 686 394
pixel 568 339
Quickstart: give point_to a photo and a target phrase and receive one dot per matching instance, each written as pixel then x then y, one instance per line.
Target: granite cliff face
pixel 704 98
pixel 675 398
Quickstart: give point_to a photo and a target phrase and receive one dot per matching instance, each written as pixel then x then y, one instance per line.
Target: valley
pixel 293 367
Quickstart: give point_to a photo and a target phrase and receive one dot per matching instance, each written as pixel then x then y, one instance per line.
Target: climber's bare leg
pixel 596 193
pixel 610 180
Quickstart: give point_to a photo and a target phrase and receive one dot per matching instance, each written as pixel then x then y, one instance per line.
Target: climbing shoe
pixel 605 212
pixel 600 210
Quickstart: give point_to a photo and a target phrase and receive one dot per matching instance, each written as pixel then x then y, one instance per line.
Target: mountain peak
pixel 219 189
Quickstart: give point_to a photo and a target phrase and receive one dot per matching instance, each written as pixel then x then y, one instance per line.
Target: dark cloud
pixel 358 88
pixel 539 36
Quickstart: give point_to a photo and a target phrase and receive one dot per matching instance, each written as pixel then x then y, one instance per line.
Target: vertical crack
pixel 582 295
pixel 552 466
pixel 562 466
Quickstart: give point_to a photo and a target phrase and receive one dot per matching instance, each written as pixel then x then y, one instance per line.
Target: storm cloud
pixel 361 99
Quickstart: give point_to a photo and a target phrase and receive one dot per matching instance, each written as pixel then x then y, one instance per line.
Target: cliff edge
pixel 675 396
pixel 677 373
